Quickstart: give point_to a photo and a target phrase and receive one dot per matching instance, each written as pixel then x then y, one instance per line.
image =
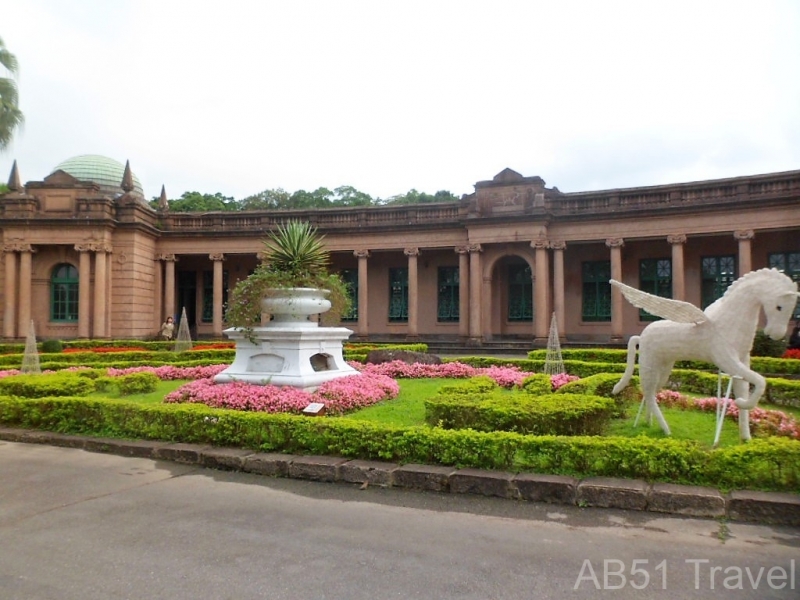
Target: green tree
pixel 347 195
pixel 268 199
pixel 197 202
pixel 11 117
pixel 319 198
pixel 415 197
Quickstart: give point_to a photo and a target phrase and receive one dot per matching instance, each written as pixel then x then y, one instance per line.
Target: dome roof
pixel 105 172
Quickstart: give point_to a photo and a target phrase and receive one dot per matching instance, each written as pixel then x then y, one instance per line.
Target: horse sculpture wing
pixel 666 308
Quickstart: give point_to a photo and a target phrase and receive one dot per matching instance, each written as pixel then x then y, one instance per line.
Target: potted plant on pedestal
pixel 291 282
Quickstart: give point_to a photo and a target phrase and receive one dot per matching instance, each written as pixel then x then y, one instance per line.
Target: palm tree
pixel 10 115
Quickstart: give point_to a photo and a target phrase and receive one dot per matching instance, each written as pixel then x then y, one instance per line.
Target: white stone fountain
pixel 291 350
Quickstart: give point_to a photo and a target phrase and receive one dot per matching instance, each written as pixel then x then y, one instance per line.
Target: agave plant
pixel 296 250
pixel 294 257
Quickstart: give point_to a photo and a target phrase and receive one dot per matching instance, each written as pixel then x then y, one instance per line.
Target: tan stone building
pixel 86 256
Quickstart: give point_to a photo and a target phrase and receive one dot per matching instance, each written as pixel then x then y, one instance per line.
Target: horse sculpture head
pixel 778 296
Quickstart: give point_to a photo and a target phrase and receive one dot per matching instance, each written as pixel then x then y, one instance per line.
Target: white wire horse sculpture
pixel 722 334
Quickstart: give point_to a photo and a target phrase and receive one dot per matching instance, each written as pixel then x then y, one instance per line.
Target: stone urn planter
pixel 295 305
pixel 290 350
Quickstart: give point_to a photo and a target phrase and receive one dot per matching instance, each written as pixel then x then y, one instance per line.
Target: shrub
pixel 137 383
pixel 537 384
pixel 548 414
pixel 65 383
pixel 51 346
pixel 772 464
pixel 763 345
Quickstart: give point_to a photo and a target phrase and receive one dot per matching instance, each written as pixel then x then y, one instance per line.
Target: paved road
pixel 84 526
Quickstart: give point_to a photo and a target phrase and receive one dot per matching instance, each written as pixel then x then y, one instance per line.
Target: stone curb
pixel 775 508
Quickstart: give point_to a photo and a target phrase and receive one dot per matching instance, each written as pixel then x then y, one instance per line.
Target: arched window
pixel 64 293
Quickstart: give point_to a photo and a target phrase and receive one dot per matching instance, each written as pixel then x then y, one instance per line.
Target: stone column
pixel 616 244
pixel 169 285
pixel 463 290
pixel 158 295
pixel 217 299
pixel 10 292
pixel 363 292
pixel 84 290
pixel 413 292
pixel 745 237
pixel 100 300
pixel 475 283
pixel 25 276
pixel 558 247
pixel 677 242
pixel 541 290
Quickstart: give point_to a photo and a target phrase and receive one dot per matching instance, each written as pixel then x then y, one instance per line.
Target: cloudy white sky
pixel 237 97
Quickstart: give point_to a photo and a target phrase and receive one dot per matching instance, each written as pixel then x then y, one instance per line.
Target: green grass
pixel 408 409
pixel 156 397
pixel 684 425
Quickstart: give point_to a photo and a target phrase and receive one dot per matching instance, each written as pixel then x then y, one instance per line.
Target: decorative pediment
pixel 507 176
pixel 60 178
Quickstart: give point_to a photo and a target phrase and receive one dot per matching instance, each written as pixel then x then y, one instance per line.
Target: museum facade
pixel 85 256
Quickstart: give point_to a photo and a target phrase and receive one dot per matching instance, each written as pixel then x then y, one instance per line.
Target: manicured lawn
pixel 156 397
pixel 408 409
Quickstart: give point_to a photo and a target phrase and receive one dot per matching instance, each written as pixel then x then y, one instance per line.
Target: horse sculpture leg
pixel 741 389
pixel 652 379
pixel 745 400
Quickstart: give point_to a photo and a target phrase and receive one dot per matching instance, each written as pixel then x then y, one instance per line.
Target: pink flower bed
pixel 338 395
pixel 170 373
pixel 762 421
pixel 507 377
pixel 562 379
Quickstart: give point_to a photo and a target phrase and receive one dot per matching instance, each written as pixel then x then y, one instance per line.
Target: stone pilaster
pixel 363 292
pixel 678 241
pixel 217 294
pixel 745 237
pixel 413 291
pixel 463 290
pixel 616 244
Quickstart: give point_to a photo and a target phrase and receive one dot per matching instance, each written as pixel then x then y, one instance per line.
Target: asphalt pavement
pixel 82 525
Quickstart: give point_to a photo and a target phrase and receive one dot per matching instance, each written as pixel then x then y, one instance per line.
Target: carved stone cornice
pixel 615 242
pixel 676 239
pixel 540 243
pixel 744 234
pixel 361 253
pixel 93 247
pixel 411 252
pixel 557 245
pixel 217 256
pixel 18 247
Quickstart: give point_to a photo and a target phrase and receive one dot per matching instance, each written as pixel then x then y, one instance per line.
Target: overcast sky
pixel 238 97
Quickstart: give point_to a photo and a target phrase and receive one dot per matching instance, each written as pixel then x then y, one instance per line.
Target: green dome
pixel 105 172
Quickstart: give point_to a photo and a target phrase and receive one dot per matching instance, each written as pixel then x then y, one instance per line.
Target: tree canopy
pixel 11 117
pixel 280 199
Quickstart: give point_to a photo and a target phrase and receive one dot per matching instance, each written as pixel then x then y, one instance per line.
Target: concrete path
pixel 85 526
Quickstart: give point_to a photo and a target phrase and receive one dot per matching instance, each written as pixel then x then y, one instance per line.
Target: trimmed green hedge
pixel 67 383
pixel 770 464
pixel 549 414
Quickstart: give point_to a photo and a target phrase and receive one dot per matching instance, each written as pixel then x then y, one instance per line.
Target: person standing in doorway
pixel 168 329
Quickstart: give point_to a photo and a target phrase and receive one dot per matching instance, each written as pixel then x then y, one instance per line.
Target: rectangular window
pixel 350 278
pixel 718 273
pixel 447 304
pixel 787 263
pixel 596 290
pixel 520 293
pixel 208 295
pixel 64 302
pixel 398 295
pixel 655 277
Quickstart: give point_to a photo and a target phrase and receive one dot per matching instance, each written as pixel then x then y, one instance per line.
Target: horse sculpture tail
pixel 633 344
